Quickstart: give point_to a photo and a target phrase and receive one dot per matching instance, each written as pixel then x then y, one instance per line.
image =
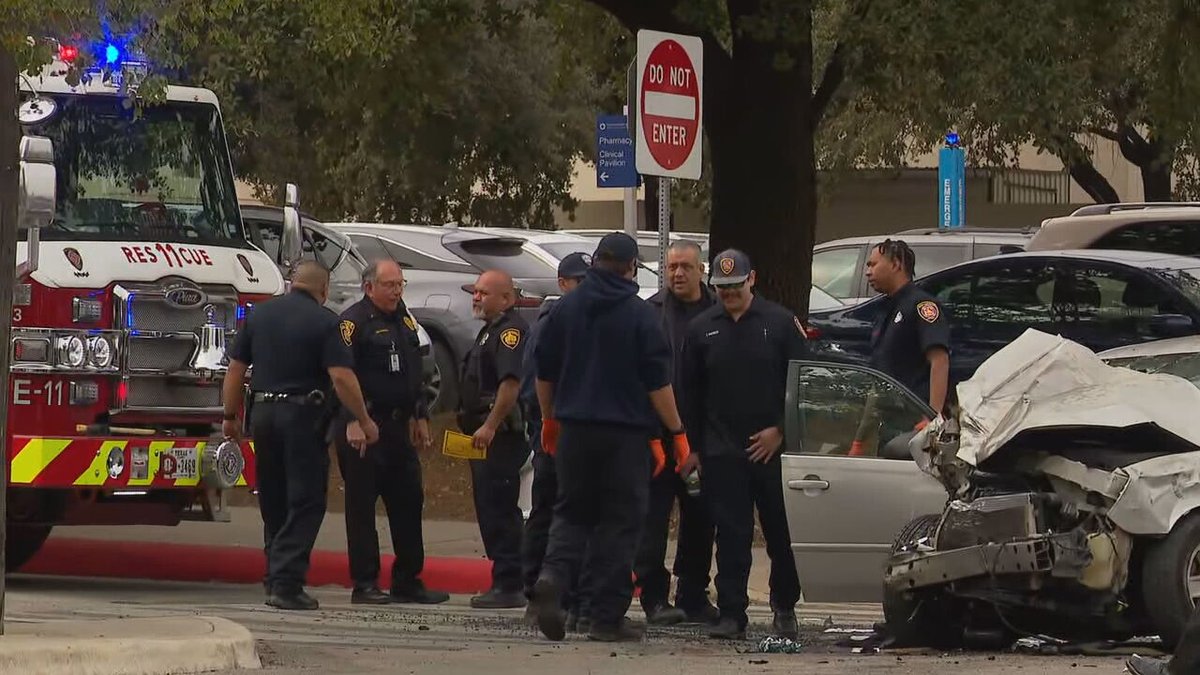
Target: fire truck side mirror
pixel 289 245
pixel 36 194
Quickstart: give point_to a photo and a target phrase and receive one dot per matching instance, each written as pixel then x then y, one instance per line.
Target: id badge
pixel 393 362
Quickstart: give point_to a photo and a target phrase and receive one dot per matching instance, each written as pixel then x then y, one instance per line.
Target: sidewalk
pixel 177 644
pixel 232 552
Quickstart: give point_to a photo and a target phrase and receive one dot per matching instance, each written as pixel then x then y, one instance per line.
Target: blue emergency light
pixel 112 54
pixel 952 139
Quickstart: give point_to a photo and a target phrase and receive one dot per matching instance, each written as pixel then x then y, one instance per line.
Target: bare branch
pixel 1103 132
pixel 835 70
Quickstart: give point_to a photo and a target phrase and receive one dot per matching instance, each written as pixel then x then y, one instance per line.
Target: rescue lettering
pixel 175 256
pixel 669 134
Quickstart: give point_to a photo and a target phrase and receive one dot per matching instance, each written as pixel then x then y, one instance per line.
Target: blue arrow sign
pixel 614 153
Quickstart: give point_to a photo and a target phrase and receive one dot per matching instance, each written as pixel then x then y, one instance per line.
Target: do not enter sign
pixel 669 89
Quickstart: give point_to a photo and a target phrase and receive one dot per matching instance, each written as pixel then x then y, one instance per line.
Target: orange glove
pixel 659 455
pixel 921 425
pixel 683 450
pixel 550 436
pixel 856 449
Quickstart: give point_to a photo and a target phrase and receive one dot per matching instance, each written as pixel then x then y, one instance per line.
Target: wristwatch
pixel 230 418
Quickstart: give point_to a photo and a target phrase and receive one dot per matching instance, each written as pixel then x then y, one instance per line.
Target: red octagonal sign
pixel 669 104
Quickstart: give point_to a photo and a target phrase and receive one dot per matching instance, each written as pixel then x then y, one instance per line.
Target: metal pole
pixel 664 228
pixel 10 138
pixel 631 224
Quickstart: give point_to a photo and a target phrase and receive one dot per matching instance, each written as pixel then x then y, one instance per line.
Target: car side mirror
pixel 292 238
pixel 36 193
pixel 1172 325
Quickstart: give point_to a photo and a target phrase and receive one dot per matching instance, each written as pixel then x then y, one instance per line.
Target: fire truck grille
pixel 150 313
pixel 163 393
pixel 162 355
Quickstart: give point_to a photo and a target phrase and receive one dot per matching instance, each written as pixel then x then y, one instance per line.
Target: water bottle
pixel 692 481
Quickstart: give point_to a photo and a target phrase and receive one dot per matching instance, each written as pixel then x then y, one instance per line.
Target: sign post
pixel 952 178
pixel 668 109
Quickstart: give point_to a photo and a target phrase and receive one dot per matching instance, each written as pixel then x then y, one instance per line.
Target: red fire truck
pixel 133 274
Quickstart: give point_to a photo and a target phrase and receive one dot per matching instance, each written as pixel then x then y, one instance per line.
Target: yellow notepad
pixel 459 445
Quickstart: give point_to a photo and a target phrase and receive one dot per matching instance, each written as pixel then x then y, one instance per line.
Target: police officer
pixel 571 271
pixel 603 374
pixel 911 338
pixel 294 346
pixel 488 410
pixel 735 361
pixel 685 297
pixel 387 360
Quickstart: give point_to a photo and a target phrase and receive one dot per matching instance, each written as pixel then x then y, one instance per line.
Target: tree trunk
pixel 1156 181
pixel 1094 183
pixel 764 167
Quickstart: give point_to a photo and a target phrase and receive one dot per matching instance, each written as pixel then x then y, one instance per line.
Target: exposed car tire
pixel 22 542
pixel 447 374
pixel 924 617
pixel 1168 564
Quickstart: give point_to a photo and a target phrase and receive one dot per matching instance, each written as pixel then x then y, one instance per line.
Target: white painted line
pixel 663 104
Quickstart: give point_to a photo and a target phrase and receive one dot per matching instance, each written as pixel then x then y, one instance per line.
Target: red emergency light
pixel 68 53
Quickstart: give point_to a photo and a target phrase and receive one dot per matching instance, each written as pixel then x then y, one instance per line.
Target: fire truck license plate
pixel 179 463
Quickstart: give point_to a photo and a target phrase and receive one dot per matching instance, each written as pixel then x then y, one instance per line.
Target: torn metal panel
pixel 1159 492
pixel 1042 381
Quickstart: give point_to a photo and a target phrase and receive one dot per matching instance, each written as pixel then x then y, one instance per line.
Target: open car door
pixel 844 510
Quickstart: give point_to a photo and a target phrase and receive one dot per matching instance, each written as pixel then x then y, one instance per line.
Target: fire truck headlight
pixel 100 352
pixel 71 351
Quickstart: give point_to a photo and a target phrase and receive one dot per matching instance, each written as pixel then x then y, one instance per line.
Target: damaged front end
pixel 1062 499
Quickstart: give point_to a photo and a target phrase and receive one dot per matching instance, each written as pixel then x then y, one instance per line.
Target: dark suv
pixel 1100 299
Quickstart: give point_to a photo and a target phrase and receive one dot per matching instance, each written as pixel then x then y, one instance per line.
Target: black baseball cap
pixel 574 266
pixel 731 267
pixel 618 247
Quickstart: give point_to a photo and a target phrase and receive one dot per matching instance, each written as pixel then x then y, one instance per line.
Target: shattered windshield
pixel 1186 366
pixel 1187 281
pixel 162 174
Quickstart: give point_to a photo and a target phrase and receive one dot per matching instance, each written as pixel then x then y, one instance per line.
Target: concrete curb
pixel 143 646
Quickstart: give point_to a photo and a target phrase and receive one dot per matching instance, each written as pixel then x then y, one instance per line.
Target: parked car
pixel 334 250
pixel 648 244
pixel 1058 499
pixel 1164 227
pixel 1101 299
pixel 839 266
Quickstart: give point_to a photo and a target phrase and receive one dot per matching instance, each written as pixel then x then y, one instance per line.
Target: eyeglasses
pixel 393 285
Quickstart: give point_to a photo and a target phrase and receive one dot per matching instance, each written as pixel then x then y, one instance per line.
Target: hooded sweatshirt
pixel 604 350
pixel 528 393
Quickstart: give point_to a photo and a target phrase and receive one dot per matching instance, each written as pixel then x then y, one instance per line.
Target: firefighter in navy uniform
pixel 488 410
pixel 735 363
pixel 911 339
pixel 387 361
pixel 293 343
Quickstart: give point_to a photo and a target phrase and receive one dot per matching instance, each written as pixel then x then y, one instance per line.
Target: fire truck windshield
pixel 162 174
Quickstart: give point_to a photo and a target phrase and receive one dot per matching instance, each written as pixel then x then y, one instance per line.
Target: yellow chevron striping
pixel 37 454
pixel 97 473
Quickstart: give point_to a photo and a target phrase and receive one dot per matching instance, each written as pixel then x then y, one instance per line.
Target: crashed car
pixel 1073 501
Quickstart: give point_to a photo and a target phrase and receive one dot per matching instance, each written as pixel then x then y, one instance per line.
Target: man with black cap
pixel 603 374
pixel 571 271
pixel 735 362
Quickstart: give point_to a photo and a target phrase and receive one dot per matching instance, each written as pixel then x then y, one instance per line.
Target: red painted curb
pixel 230 564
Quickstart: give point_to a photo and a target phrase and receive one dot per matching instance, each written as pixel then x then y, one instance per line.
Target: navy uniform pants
pixel 496 484
pixel 292 466
pixel 734 487
pixel 391 470
pixel 602 500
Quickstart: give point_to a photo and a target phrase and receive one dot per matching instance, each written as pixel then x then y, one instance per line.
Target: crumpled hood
pixel 1042 381
pixel 602 290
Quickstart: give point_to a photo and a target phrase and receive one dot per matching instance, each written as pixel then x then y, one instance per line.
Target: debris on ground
pixel 778 645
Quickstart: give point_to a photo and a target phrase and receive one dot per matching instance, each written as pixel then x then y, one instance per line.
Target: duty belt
pixel 314 397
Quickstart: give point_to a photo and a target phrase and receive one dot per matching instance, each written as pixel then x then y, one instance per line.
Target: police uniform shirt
pixel 496 356
pixel 387 358
pixel 912 325
pixel 292 342
pixel 736 374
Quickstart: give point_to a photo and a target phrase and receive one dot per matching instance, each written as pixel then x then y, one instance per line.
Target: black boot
pixel 292 600
pixel 624 631
pixel 663 614
pixel 498 599
pixel 369 596
pixel 699 610
pixel 785 624
pixel 415 593
pixel 727 629
pixel 551 619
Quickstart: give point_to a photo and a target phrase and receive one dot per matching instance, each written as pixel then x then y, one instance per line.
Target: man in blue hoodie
pixel 604 375
pixel 571 271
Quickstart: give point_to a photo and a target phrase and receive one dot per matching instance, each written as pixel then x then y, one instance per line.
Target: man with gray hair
pixel 684 298
pixel 382 338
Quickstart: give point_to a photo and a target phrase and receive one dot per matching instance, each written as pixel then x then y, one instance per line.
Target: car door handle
pixel 808 484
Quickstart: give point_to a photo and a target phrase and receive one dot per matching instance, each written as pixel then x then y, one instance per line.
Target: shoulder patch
pixel 347 330
pixel 409 322
pixel 928 311
pixel 510 337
